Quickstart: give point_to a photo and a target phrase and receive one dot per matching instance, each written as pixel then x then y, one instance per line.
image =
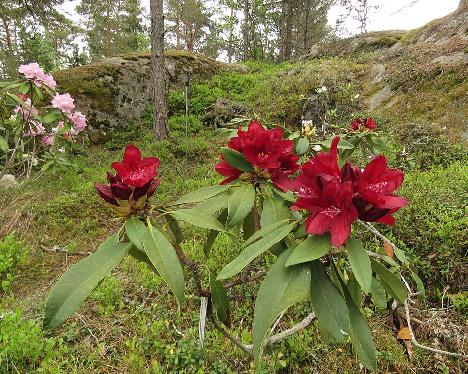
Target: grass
pixel 130 323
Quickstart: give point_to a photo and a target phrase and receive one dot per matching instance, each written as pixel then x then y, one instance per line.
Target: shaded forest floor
pixel 130 324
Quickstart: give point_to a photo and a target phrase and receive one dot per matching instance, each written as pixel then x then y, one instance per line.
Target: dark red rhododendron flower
pixel 135 181
pixel 336 197
pixel 270 155
pixel 358 123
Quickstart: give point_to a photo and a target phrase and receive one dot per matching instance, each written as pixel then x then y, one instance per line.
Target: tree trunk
pixel 231 33
pixel 8 35
pixel 246 29
pixel 157 62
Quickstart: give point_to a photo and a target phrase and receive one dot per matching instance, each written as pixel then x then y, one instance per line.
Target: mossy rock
pixel 117 90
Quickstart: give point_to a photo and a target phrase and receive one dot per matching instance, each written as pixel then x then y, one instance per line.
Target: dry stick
pixel 407 312
pixel 256 217
pixel 63 250
pixel 286 333
pixel 232 338
pixel 243 279
pixel 433 350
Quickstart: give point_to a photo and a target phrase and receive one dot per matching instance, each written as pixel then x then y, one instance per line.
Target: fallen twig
pixel 57 249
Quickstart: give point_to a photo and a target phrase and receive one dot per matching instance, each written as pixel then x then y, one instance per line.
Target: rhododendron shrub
pixel 36 121
pixel 301 210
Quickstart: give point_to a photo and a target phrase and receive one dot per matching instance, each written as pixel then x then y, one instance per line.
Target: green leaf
pixel 164 258
pixel 73 287
pixel 254 250
pixel 220 302
pixel 419 286
pixel 213 234
pixel 240 204
pixel 360 263
pixel 236 160
pixel 378 294
pixel 24 88
pixel 274 210
pixel 355 290
pixel 392 284
pixel 312 248
pixel 265 231
pixel 202 194
pixel 212 205
pixel 360 333
pixel 248 226
pixel 281 288
pixel 136 231
pixel 302 146
pixel 327 302
pixel 198 218
pixel 287 196
pixel 343 144
pixel 49 117
pixel 3 144
pixel 175 230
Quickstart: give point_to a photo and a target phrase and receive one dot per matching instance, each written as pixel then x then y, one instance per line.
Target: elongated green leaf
pixel 312 248
pixel 164 258
pixel 354 290
pixel 212 205
pixel 136 231
pixel 240 204
pixel 379 297
pixel 236 160
pixel 248 226
pixel 3 144
pixel 419 286
pixel 286 196
pixel 220 302
pixel 174 228
pixel 50 117
pixel 360 263
pixel 73 287
pixel 328 303
pixel 198 218
pixel 302 146
pixel 360 333
pixel 213 234
pixel 201 194
pixel 254 250
pixel 274 210
pixel 392 284
pixel 343 144
pixel 265 231
pixel 281 288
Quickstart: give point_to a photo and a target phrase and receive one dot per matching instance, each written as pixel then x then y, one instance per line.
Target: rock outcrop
pixel 116 90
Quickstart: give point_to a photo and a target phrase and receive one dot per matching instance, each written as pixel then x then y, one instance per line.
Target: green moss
pixel 90 81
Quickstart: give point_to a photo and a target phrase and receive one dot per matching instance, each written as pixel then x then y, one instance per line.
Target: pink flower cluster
pixel 64 102
pixel 34 73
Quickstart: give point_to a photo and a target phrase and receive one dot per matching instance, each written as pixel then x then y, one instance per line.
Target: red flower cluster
pixel 368 123
pixel 135 181
pixel 336 197
pixel 270 155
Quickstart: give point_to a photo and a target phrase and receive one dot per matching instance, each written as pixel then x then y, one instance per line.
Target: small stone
pixel 8 181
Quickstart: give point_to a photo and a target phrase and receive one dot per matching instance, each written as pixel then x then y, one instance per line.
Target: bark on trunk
pixel 246 33
pixel 157 62
pixel 7 34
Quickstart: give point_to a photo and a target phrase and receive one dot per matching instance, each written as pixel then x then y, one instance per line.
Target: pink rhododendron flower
pixel 26 110
pixel 35 128
pixel 48 140
pixel 48 80
pixel 78 119
pixel 63 102
pixel 30 71
pixel 34 72
pixel 60 126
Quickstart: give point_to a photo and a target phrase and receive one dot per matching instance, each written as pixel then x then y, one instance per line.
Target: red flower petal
pixel 105 193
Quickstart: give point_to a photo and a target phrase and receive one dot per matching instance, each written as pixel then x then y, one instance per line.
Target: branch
pixel 243 279
pixel 232 338
pixel 286 333
pixel 416 344
pixel 193 266
pixel 56 249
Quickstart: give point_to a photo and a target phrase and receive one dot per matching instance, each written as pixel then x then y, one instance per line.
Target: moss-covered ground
pixel 131 324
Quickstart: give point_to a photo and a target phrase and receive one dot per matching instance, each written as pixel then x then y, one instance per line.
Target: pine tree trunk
pixel 246 29
pixel 157 62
